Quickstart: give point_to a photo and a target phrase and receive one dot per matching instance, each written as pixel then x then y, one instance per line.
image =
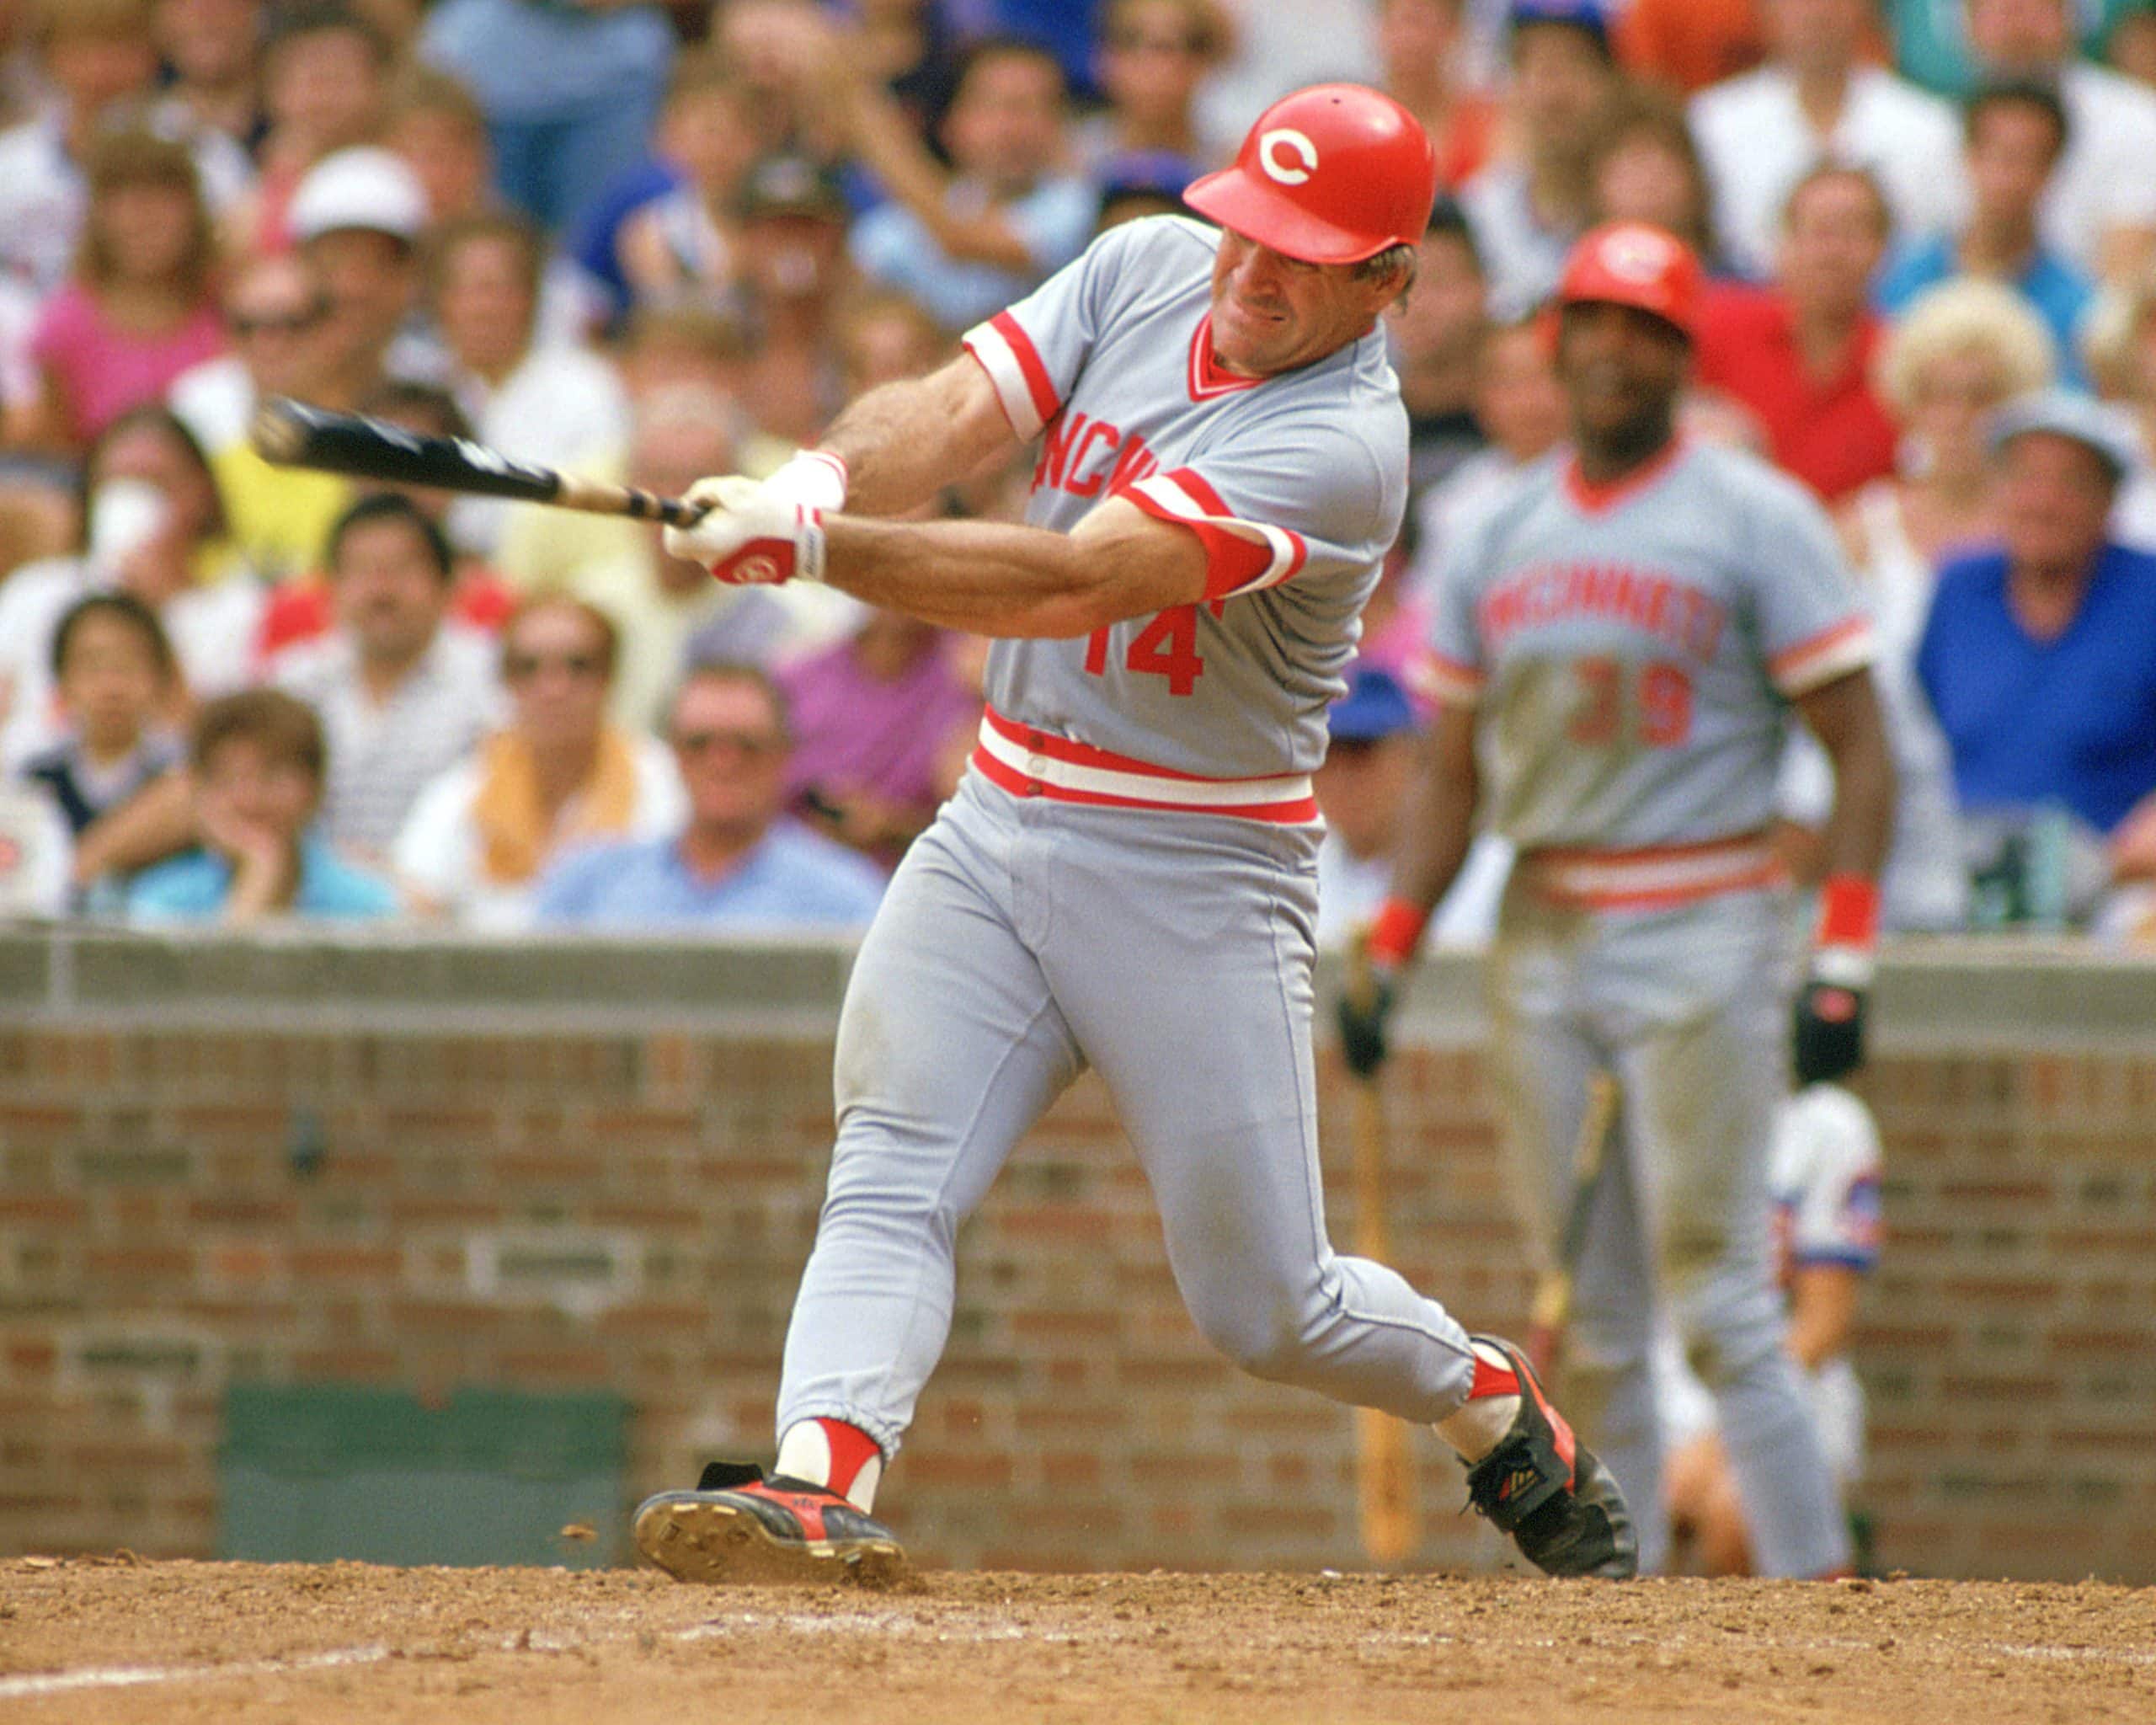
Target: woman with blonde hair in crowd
pixel 1963 349
pixel 559 775
pixel 143 307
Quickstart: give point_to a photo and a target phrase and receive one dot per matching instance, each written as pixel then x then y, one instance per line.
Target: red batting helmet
pixel 1332 174
pixel 1632 263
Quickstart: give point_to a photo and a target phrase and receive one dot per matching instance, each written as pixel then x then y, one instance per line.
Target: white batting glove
pixel 815 477
pixel 747 536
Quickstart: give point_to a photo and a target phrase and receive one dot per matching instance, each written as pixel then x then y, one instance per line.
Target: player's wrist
pixel 1845 945
pixel 816 479
pixel 1395 934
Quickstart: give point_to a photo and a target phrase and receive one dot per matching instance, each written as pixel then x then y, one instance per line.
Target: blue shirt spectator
pixel 895 247
pixel 2057 292
pixel 967 241
pixel 258 760
pixel 790 878
pixel 2028 720
pixel 196 886
pixel 735 864
pixel 571 93
pixel 2014 137
pixel 2039 658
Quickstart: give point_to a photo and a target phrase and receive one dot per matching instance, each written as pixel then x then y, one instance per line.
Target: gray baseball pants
pixel 1688 1007
pixel 1021 940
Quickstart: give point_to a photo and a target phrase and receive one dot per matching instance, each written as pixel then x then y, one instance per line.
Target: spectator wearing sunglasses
pixel 557 776
pixel 735 863
pixel 276 317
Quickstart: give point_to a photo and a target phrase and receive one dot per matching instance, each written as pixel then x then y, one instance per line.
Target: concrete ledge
pixel 1963 994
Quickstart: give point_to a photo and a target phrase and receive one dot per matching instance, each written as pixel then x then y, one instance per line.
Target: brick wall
pixel 566 1168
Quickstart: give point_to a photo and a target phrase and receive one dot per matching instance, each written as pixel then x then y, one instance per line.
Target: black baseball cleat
pixel 738 1526
pixel 1546 1489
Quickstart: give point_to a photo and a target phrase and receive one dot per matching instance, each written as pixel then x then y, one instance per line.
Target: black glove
pixel 1829 1033
pixel 1361 1025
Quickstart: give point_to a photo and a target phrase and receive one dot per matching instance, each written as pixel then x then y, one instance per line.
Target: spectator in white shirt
pixel 1818 99
pixel 552 403
pixel 403 694
pixel 558 774
pixel 2101 211
pixel 213 47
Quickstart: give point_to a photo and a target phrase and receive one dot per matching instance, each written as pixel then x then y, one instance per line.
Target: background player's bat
pixel 293 435
pixel 1385 1463
pixel 1553 1294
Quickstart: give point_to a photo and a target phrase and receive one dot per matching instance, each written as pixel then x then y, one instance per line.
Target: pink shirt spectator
pixel 856 734
pixel 101 372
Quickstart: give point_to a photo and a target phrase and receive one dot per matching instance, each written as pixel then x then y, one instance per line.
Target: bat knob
pixel 277 431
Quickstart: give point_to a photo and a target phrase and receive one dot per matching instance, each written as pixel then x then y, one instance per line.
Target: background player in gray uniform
pixel 1616 641
pixel 1127 878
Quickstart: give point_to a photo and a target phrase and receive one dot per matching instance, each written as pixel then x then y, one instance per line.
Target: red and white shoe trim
pixel 1029 762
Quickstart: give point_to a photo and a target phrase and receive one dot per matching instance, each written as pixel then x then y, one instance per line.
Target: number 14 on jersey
pixel 1166 647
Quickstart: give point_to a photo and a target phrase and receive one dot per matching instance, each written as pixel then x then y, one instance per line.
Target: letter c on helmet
pixel 1286 139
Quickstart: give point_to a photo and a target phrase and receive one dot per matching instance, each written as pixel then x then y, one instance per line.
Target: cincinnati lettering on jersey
pixel 1667 608
pixel 1086 456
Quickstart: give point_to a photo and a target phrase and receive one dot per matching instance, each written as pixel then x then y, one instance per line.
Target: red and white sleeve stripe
pixel 1818 659
pixel 1240 556
pixel 1013 363
pixel 1445 681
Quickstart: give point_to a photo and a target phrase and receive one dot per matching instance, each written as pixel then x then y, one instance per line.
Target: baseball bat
pixel 292 434
pixel 1553 1294
pixel 1385 1467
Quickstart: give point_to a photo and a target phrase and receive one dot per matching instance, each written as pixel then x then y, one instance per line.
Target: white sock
pixel 1479 1424
pixel 804 1452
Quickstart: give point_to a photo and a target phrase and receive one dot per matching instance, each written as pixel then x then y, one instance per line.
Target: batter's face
pixel 1621 369
pixel 1272 313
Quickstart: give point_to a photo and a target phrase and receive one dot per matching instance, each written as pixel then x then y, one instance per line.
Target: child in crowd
pixel 113 670
pixel 259 765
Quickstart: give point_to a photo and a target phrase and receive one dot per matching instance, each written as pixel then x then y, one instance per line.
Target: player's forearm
pixel 1439 820
pixel 982 576
pixel 1845 716
pixel 1860 827
pixel 903 442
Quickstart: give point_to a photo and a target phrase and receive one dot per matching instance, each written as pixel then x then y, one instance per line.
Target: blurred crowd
pixel 659 242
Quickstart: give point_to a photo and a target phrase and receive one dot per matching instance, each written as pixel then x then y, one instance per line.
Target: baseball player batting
pixel 1127 878
pixel 1617 641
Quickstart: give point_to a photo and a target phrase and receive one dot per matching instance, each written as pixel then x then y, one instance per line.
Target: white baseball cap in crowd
pixel 2103 430
pixel 362 187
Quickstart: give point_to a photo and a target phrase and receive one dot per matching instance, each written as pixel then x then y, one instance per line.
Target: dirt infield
pixel 117 1640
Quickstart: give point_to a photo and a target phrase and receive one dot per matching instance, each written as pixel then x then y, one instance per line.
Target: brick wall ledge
pixel 2003 994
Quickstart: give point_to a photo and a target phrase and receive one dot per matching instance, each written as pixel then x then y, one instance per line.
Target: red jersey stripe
pixel 1037 382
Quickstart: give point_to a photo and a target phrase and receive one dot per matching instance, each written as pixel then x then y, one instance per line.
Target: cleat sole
pixel 694 1538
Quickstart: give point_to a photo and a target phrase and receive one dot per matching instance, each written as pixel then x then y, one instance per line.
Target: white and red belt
pixel 1654 876
pixel 1029 762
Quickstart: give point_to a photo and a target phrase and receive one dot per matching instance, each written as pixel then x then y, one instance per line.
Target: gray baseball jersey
pixel 1296 484
pixel 1632 651
pixel 1085 899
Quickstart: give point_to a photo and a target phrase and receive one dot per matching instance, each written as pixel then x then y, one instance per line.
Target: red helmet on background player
pixel 1632 264
pixel 1332 174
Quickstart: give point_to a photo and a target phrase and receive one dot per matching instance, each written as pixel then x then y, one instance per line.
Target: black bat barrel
pixel 292 434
